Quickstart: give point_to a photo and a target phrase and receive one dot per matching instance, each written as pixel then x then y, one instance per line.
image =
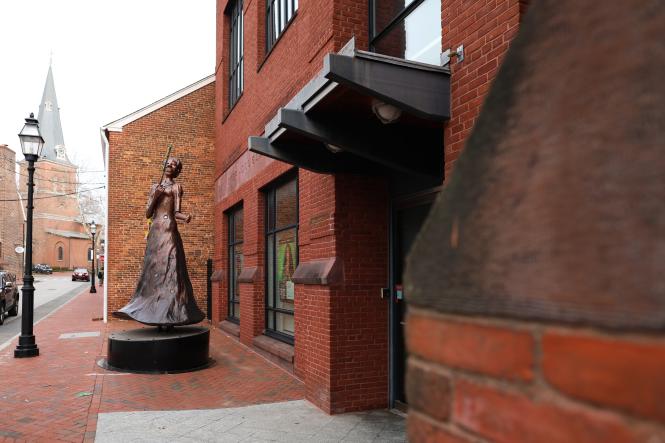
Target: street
pixel 51 292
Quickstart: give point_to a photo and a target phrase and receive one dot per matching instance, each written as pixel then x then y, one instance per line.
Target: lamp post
pixel 31 145
pixel 93 229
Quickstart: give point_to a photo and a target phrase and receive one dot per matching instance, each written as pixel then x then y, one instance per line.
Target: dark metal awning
pixel 331 125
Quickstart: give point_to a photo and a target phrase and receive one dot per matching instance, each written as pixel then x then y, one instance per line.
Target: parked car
pixel 80 274
pixel 41 268
pixel 8 295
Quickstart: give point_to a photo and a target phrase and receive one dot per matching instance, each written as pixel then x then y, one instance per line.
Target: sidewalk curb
pixel 11 340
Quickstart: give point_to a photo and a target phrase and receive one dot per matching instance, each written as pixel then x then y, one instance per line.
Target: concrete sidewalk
pixel 63 394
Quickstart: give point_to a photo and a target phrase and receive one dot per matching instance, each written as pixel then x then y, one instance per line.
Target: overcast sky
pixel 110 58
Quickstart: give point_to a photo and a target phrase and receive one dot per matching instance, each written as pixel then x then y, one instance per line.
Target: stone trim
pixel 283 351
pixel 319 272
pixel 217 275
pixel 230 327
pixel 249 275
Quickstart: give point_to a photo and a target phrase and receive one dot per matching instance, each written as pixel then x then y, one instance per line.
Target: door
pixel 406 223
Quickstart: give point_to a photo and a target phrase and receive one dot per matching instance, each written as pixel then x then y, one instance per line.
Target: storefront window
pixel 409 29
pixel 281 258
pixel 235 262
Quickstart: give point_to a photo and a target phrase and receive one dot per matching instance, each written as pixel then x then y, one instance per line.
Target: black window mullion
pixel 398 18
pixel 233 309
pixel 274 257
pixel 285 11
pixel 232 63
pixel 274 278
pixel 231 266
pixel 268 27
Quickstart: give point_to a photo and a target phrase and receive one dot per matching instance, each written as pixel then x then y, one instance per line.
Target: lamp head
pixel 30 137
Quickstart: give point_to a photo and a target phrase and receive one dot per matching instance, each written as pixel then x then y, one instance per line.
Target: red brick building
pixel 12 217
pixel 337 124
pixel 135 147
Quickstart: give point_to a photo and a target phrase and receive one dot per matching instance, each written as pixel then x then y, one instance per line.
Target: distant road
pixel 51 292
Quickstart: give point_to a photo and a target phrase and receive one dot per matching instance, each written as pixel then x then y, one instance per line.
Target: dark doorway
pixel 408 216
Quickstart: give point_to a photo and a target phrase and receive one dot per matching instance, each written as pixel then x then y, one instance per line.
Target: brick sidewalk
pixel 57 396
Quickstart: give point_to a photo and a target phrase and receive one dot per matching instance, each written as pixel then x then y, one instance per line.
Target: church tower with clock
pixel 60 235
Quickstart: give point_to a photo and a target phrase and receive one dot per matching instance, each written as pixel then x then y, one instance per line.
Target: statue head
pixel 173 167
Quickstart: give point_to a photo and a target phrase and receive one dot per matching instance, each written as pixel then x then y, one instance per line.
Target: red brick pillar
pixel 251 279
pixel 316 242
pixel 341 321
pixel 537 309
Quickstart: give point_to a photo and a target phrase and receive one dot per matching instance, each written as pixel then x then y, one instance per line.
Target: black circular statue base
pixel 149 350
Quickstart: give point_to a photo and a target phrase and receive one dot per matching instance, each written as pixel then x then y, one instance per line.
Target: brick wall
pixel 11 215
pixel 530 319
pixel 135 163
pixel 485 28
pixel 528 382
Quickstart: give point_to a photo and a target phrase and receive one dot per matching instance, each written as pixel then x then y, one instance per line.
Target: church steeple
pixel 49 123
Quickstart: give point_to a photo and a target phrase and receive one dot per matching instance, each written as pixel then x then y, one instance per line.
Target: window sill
pixel 283 351
pixel 230 327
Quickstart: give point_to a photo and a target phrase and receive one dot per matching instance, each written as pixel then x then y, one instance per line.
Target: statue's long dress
pixel 164 295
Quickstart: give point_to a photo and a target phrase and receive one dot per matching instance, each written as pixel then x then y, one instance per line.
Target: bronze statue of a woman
pixel 164 294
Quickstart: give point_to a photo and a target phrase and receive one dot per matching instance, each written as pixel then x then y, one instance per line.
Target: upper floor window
pixel 278 14
pixel 236 56
pixel 408 29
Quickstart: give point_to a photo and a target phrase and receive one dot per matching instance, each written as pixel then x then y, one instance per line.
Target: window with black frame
pixel 279 14
pixel 235 262
pixel 408 29
pixel 281 258
pixel 236 56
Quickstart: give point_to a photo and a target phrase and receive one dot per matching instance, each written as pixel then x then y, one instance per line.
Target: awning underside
pixel 330 125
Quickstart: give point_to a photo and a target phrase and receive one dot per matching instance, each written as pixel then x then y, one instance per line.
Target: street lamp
pixel 93 229
pixel 31 145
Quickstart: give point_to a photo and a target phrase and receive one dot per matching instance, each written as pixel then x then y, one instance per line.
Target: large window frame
pixel 235 240
pixel 236 53
pixel 376 34
pixel 272 230
pixel 279 15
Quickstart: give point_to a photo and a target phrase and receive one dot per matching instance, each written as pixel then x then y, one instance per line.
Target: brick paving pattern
pixel 58 395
